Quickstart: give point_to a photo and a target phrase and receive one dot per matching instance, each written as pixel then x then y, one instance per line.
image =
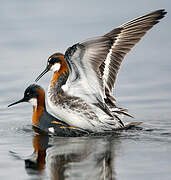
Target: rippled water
pixel 30 32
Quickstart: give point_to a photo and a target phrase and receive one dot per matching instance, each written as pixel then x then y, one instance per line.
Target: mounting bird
pixel 80 92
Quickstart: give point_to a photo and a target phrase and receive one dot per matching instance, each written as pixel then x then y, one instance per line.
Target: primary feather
pixel 94 63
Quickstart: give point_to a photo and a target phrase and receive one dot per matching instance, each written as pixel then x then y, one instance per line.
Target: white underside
pixel 78 119
pixel 68 116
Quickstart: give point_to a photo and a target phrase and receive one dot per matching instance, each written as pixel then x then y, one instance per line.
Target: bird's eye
pixel 27 93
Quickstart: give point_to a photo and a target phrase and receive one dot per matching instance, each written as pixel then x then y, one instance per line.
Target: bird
pixel 80 91
pixel 42 121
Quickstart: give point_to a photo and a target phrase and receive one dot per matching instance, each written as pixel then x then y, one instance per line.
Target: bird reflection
pixel 36 163
pixel 63 158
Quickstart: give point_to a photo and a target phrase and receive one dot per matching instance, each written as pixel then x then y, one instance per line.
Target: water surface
pixel 29 33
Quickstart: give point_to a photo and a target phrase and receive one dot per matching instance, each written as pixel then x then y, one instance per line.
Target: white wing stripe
pixel 106 69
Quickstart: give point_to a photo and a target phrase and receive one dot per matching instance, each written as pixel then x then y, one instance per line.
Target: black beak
pixel 42 74
pixel 20 101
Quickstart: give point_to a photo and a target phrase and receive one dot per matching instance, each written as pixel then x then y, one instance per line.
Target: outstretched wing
pixel 94 63
pixel 84 60
pixel 131 33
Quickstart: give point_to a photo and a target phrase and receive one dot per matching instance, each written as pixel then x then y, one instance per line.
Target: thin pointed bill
pixel 42 74
pixel 20 101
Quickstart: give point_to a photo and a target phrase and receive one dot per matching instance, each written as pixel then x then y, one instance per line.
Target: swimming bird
pixel 42 121
pixel 80 92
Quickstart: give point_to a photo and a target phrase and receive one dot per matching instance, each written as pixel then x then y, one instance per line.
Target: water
pixel 29 33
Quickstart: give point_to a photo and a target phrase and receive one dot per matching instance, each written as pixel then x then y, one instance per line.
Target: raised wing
pixel 94 63
pixel 84 60
pixel 131 33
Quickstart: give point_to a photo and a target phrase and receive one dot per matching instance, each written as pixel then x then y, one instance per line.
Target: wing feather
pixel 130 34
pixel 94 63
pixel 85 59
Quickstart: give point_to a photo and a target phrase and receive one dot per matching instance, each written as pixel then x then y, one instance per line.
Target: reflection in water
pixel 73 158
pixel 36 163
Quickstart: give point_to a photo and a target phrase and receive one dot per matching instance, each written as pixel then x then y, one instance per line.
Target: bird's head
pixel 34 94
pixel 55 63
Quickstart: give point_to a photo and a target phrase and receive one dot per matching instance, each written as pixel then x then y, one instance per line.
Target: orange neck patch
pixel 38 111
pixel 63 70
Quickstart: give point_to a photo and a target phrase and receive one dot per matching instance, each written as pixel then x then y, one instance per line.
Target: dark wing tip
pixel 160 13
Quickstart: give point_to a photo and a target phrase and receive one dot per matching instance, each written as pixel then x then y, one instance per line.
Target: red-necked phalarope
pixel 80 92
pixel 41 119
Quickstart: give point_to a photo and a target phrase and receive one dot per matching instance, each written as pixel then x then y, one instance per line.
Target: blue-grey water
pixel 30 31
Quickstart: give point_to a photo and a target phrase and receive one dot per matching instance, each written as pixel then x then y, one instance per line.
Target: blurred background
pixel 30 31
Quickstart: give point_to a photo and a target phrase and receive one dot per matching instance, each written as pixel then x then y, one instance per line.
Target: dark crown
pixel 31 91
pixel 54 58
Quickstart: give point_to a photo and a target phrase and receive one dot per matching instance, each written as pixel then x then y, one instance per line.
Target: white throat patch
pixel 55 67
pixel 33 101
